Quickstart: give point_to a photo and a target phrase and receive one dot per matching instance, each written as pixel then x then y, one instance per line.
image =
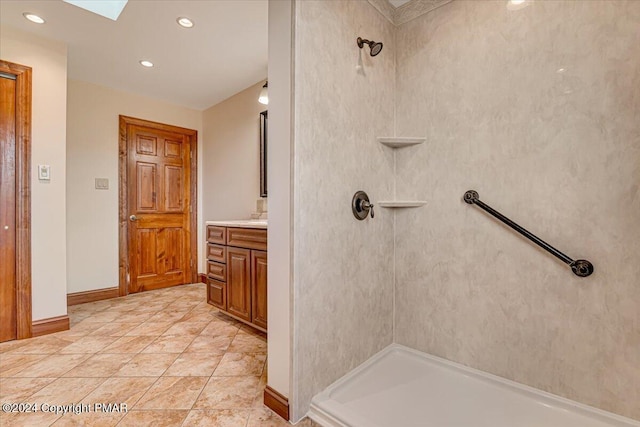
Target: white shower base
pixel 401 387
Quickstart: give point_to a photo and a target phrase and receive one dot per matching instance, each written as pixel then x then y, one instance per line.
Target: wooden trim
pixel 123 235
pixel 23 196
pixel 50 325
pixel 91 296
pixel 276 402
pixel 202 278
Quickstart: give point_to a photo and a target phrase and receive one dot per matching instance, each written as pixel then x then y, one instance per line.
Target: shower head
pixel 375 47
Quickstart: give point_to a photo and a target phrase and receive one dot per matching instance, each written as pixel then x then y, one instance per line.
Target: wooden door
pixel 259 288
pixel 8 295
pixel 239 282
pixel 160 214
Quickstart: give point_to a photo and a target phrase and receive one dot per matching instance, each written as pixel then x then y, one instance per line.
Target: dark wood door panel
pixel 259 288
pixel 8 295
pixel 159 215
pixel 239 282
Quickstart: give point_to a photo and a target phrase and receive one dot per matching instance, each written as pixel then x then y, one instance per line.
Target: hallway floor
pixel 170 357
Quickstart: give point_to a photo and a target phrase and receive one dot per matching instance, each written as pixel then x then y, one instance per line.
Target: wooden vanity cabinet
pixel 237 273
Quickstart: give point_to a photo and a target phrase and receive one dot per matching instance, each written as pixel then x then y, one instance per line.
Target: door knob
pixel 133 218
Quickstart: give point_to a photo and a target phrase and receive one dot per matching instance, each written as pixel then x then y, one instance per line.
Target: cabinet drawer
pixel 216 253
pixel 216 234
pixel 217 294
pixel 250 238
pixel 216 270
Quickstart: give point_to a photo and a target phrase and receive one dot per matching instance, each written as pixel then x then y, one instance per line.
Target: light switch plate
pixel 102 183
pixel 44 172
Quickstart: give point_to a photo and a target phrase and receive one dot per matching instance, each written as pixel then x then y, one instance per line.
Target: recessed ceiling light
pixel 184 22
pixel 33 18
pixel 146 63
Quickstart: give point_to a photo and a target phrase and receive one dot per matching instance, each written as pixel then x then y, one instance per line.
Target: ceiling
pixel 224 53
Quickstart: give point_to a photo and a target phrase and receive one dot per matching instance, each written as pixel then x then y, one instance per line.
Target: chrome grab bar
pixel 580 267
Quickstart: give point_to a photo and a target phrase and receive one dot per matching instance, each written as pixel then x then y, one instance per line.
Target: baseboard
pixel 91 296
pixel 202 278
pixel 276 402
pixel 50 325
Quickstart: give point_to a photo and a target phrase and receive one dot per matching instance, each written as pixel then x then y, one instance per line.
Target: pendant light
pixel 264 94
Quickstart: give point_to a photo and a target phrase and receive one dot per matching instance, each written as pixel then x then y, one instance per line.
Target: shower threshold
pixel 402 387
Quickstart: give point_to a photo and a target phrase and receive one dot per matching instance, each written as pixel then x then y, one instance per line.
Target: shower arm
pixel 580 267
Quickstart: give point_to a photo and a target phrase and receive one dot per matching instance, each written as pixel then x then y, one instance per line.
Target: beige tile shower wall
pixel 343 268
pixel 538 110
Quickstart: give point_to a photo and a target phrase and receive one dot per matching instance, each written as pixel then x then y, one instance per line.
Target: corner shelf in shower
pixel 393 204
pixel 399 142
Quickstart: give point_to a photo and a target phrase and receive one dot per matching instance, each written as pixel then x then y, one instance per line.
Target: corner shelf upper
pixel 399 142
pixel 401 203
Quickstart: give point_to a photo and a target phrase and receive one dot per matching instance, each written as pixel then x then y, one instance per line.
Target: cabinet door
pixel 217 293
pixel 259 288
pixel 239 282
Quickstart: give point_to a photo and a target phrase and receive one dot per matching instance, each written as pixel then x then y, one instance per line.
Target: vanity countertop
pixel 242 223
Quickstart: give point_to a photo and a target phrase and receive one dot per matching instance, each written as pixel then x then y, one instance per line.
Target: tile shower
pixel 535 107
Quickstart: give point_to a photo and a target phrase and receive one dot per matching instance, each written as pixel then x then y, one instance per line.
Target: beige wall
pixel 92 152
pixel 343 268
pixel 232 156
pixel 537 109
pixel 48 129
pixel 279 179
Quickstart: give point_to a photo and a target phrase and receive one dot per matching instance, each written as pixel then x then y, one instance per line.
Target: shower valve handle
pixel 367 206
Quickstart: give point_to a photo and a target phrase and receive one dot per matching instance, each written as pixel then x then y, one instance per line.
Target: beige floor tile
pixel 18 389
pixel 168 316
pixel 186 328
pixel 12 345
pixel 147 365
pixel 209 344
pixel 52 366
pixel 228 393
pixel 129 344
pixel 233 364
pixel 198 316
pixel 100 365
pixel 115 329
pixel 153 419
pixel 120 390
pixel 88 344
pixel 172 393
pixel 150 328
pixel 103 317
pixel 92 419
pixel 245 342
pixel 169 344
pixel 265 417
pixel 193 365
pixel 13 363
pixel 133 317
pixel 218 328
pixel 84 327
pixel 31 419
pixel 44 345
pixel 217 417
pixel 66 390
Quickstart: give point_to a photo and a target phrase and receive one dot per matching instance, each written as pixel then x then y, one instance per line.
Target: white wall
pixel 231 155
pixel 48 129
pixel 537 109
pixel 343 268
pixel 279 179
pixel 92 152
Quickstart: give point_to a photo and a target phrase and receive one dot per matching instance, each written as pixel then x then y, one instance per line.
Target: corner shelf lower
pixel 394 204
pixel 399 142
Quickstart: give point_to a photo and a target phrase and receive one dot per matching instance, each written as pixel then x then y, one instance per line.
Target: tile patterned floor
pixel 172 358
